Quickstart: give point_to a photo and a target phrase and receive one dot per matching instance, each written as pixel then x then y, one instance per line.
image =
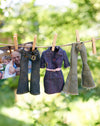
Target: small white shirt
pixel 7 74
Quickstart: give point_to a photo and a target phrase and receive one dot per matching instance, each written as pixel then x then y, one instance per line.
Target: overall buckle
pixel 33 57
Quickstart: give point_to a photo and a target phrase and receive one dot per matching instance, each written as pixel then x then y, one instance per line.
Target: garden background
pixel 27 18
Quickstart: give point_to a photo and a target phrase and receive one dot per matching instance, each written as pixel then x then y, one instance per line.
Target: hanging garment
pixel 71 86
pixel 35 72
pixel 52 60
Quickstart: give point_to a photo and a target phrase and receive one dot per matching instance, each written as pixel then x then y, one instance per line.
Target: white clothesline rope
pixel 69 44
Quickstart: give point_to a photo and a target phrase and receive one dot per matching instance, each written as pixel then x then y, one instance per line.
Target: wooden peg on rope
pixel 54 42
pixel 16 35
pixel 77 36
pixel 93 46
pixel 34 42
pixel 15 42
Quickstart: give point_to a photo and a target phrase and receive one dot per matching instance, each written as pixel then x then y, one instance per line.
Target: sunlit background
pixel 45 18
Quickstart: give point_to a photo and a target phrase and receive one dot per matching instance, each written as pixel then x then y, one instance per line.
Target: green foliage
pixel 11 82
pixel 26 20
pixel 6 96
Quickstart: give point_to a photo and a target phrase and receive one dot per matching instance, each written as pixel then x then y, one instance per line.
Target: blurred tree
pixel 21 19
pixel 27 19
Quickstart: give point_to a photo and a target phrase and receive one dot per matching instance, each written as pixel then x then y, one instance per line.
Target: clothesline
pixel 69 44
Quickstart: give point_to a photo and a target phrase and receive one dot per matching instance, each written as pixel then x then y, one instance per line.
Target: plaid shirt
pixel 54 81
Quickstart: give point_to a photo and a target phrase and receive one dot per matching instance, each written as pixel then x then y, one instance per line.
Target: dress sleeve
pixel 66 61
pixel 42 61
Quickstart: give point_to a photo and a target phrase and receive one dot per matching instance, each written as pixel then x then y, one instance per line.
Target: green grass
pixel 49 110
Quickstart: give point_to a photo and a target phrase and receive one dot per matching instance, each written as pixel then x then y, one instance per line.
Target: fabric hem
pixel 72 93
pixel 22 92
pixel 42 67
pixel 66 66
pixel 53 92
pixel 89 87
pixel 34 93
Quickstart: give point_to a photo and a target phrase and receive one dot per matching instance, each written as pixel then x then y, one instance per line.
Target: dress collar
pixel 49 51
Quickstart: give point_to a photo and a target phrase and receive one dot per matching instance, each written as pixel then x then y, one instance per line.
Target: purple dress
pixel 54 80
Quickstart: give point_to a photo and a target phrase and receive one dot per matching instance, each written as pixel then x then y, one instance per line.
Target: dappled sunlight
pixel 29 108
pixel 29 17
pixel 84 113
pixel 17 113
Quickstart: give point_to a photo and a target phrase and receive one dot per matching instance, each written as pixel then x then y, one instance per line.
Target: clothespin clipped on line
pixel 54 42
pixel 77 36
pixel 34 42
pixel 15 42
pixel 93 46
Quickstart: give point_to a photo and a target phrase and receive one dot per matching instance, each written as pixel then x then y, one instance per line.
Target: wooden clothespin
pixel 15 42
pixel 15 35
pixel 54 42
pixel 93 46
pixel 34 42
pixel 77 36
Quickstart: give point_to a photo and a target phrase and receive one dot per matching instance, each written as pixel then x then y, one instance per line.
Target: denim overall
pixel 23 87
